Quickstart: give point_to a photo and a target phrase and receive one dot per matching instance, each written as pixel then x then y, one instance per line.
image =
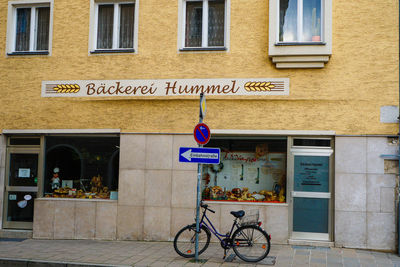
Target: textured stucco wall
pixel 345 96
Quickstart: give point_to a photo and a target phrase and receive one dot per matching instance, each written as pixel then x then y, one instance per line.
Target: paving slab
pixel 96 253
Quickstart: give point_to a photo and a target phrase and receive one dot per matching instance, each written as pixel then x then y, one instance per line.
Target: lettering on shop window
pixel 311 173
pixel 174 87
pixel 239 157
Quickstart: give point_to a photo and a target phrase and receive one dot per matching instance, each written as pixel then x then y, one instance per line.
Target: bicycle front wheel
pixel 251 243
pixel 184 242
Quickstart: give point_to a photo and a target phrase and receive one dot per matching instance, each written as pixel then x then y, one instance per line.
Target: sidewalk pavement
pixel 49 253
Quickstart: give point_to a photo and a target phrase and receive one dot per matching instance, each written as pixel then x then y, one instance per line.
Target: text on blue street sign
pixel 205 155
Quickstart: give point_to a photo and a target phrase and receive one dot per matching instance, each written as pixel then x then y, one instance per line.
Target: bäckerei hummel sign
pixel 166 87
pixel 205 155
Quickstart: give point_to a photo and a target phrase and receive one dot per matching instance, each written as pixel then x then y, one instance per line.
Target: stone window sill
pixel 194 49
pixel 306 61
pixel 110 51
pixel 25 53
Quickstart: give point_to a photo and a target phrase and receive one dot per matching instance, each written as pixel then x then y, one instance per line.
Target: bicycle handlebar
pixel 205 206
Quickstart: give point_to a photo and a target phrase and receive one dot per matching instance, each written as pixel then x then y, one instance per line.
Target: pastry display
pixel 217 193
pixel 249 176
pixel 97 190
pixel 243 194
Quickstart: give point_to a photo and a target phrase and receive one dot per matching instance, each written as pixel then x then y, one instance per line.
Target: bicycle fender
pixel 262 229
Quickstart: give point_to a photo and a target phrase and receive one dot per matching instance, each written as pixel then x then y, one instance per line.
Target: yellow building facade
pixel 340 87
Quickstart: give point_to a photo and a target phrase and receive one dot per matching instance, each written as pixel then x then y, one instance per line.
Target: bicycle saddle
pixel 238 214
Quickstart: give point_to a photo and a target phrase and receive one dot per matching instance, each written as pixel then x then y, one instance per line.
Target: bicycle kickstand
pixel 225 251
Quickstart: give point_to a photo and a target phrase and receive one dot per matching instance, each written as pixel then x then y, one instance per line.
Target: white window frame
pixel 300 54
pixel 94 6
pixel 204 38
pixel 12 22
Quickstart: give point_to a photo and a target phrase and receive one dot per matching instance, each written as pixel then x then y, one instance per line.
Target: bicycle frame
pixel 215 231
pixel 239 238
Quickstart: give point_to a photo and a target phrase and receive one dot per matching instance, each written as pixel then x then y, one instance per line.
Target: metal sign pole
pixel 199 172
pixel 198 210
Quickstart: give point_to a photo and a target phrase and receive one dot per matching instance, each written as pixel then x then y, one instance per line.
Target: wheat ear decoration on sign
pixel 258 86
pixel 67 88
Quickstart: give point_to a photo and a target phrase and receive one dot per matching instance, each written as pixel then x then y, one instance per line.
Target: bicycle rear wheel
pixel 251 243
pixel 184 242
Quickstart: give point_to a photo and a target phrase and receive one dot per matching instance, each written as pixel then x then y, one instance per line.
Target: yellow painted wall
pixel 345 96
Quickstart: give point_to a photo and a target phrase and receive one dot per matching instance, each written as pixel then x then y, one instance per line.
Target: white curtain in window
pixel 127 18
pixel 312 20
pixel 105 27
pixel 23 29
pixel 43 22
pixel 194 14
pixel 216 21
pixel 288 21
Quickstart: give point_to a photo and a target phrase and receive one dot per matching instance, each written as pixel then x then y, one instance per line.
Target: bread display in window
pixel 249 171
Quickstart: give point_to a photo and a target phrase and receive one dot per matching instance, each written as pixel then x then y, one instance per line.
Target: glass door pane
pixel 20 206
pixel 23 169
pixel 310 215
pixel 311 173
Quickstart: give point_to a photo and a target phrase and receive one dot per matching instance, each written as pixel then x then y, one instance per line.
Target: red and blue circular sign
pixel 202 133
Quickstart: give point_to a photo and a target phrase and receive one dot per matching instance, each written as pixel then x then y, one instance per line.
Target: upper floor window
pixel 204 25
pixel 114 27
pixel 300 20
pixel 29 28
pixel 300 33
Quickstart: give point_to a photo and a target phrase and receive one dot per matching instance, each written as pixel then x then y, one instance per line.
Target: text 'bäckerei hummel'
pixel 166 87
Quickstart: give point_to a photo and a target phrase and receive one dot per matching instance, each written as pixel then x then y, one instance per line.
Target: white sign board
pixel 24 173
pixel 166 87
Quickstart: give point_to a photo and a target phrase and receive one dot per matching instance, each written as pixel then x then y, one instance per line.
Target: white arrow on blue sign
pixel 205 155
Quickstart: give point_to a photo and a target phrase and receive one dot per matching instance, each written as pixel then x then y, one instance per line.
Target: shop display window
pixel 250 170
pixel 81 167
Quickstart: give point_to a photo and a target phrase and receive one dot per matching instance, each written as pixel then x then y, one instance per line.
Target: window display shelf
pixel 75 199
pixel 255 203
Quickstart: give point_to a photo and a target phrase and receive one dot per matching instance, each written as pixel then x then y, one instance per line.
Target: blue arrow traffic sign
pixel 205 155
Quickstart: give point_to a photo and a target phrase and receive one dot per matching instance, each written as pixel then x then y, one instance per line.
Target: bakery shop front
pixel 120 184
pixel 79 184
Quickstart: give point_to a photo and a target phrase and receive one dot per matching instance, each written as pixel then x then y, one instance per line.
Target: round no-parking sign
pixel 202 133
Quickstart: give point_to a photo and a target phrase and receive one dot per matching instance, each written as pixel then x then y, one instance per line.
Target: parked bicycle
pixel 248 240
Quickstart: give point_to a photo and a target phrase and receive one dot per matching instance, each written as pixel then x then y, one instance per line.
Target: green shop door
pixel 311 194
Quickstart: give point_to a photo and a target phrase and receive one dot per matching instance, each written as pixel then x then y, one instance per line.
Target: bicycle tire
pixel 184 241
pixel 251 243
